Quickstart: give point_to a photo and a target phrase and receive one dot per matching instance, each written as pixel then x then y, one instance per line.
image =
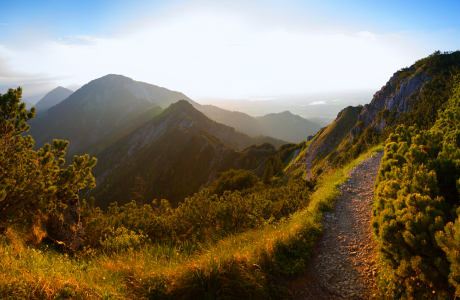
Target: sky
pixel 220 48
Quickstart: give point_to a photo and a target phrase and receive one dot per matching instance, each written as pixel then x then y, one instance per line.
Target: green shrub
pixel 121 239
pixel 381 115
pixel 416 197
pixel 233 180
pixel 200 218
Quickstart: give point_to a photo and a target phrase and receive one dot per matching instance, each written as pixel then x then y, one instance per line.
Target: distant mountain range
pixel 73 87
pixel 139 130
pixel 52 98
pixel 283 125
pixel 122 123
pixel 132 100
pixel 101 111
pixel 174 154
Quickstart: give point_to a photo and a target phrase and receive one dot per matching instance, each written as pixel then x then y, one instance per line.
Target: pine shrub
pixel 415 215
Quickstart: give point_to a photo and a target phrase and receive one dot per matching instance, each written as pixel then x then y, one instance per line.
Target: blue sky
pixel 221 48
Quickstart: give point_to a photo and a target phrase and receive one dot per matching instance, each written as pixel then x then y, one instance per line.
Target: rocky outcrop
pixel 394 97
pixel 64 227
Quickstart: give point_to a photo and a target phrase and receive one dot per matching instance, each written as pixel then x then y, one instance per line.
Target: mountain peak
pixel 52 98
pixel 112 79
pixel 181 104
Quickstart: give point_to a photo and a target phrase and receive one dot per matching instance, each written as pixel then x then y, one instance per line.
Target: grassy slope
pixel 236 266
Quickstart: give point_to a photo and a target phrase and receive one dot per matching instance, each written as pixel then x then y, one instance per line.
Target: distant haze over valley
pixel 277 122
pixel 322 107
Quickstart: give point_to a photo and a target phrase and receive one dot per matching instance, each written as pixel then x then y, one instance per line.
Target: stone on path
pixel 343 266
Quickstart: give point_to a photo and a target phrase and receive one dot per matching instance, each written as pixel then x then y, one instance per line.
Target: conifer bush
pixel 200 218
pixel 31 181
pixel 233 180
pixel 415 215
pixel 120 239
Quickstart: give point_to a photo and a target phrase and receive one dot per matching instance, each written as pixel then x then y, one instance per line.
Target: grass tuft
pixel 248 264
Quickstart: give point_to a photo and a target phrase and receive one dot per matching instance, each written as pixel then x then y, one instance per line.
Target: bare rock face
pixel 64 227
pixel 393 97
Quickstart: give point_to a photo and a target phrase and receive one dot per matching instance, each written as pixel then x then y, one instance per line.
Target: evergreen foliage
pixel 268 173
pixel 200 218
pixel 233 180
pixel 416 197
pixel 33 181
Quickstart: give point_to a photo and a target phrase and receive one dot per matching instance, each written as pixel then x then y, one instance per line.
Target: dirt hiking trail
pixel 342 266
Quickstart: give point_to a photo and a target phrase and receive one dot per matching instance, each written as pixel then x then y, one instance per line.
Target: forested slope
pixel 173 155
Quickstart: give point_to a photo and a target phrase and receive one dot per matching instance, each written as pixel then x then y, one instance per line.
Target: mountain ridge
pixel 180 147
pixel 52 98
pixel 284 125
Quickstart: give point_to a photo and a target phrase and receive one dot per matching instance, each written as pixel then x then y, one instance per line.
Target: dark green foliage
pixel 252 157
pixel 416 197
pixel 278 165
pixel 368 138
pixel 33 181
pixel 391 117
pixel 200 218
pixel 233 180
pixel 382 114
pixel 268 173
pixel 286 150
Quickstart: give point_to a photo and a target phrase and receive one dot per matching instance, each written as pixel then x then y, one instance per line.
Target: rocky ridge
pixel 394 97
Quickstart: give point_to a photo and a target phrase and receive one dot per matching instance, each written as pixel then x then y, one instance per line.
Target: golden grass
pixel 236 266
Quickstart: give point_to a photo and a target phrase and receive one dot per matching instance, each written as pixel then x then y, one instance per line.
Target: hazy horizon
pixel 220 50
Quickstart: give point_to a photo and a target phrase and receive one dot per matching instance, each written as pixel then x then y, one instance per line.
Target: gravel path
pixel 343 264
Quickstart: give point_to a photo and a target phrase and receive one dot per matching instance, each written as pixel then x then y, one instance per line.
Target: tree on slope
pixel 34 182
pixel 268 173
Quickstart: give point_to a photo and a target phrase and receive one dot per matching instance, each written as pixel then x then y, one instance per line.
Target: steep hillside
pixel 173 154
pixel 285 125
pixel 101 112
pixel 413 95
pixel 331 137
pixel 54 97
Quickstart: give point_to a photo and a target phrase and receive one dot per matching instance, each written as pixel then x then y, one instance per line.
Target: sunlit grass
pixel 236 266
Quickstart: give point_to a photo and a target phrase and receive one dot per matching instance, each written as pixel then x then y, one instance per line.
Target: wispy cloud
pixel 318 103
pixel 34 85
pixel 4 24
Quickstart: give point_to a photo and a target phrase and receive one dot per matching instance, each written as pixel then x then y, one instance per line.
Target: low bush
pixel 416 200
